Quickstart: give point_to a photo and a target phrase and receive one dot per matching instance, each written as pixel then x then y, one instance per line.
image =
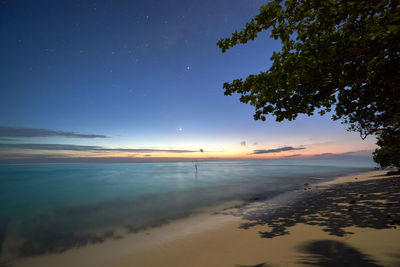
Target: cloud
pixel 37 132
pixel 29 156
pixel 351 154
pixel 8 139
pixel 49 147
pixel 64 147
pixel 292 156
pixel 277 150
pixel 243 143
pixel 201 150
pixel 323 155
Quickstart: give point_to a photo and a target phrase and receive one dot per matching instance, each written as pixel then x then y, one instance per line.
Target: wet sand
pixel 352 220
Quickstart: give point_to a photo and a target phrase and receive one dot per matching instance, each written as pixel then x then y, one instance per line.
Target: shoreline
pixel 224 237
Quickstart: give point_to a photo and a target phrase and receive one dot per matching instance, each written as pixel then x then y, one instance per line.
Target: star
pixel 188 68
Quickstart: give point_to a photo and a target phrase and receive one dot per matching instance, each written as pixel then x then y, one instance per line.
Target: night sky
pixel 141 79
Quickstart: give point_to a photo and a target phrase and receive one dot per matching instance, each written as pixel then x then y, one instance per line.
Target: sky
pixel 142 80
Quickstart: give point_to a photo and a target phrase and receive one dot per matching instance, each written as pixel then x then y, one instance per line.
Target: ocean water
pixel 49 208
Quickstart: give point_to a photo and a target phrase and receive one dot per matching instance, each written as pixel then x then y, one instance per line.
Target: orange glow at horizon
pixel 221 152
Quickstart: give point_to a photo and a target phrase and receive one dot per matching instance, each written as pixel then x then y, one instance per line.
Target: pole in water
pixel 195 166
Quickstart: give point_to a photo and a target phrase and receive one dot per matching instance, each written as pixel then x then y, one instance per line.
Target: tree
pixel 336 55
pixel 388 154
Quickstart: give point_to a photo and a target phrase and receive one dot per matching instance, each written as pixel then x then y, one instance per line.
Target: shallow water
pixel 54 207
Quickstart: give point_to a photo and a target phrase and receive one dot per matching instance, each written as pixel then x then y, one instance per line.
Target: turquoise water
pixel 53 207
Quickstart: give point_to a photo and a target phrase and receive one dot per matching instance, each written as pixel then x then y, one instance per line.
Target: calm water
pixel 53 207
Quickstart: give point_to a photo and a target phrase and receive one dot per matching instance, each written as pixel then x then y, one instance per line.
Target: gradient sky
pixel 145 74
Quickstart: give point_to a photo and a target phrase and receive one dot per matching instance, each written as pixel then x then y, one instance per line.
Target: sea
pixel 50 208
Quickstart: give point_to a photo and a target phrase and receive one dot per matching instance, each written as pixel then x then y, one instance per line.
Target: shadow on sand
pixel 257 265
pixel 328 253
pixel 331 253
pixel 373 204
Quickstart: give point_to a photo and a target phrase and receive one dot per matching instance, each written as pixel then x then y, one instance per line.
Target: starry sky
pixel 142 80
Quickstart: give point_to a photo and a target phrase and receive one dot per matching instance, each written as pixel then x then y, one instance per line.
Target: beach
pixel 199 133
pixel 351 220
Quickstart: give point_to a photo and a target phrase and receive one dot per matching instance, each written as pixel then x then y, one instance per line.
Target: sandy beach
pixel 350 221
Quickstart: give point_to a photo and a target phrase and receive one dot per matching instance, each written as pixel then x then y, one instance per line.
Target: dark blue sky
pixel 145 73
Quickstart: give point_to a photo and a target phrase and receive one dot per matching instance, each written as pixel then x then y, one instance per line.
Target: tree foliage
pixel 388 155
pixel 336 55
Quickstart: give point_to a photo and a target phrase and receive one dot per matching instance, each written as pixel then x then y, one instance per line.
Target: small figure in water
pixel 195 166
